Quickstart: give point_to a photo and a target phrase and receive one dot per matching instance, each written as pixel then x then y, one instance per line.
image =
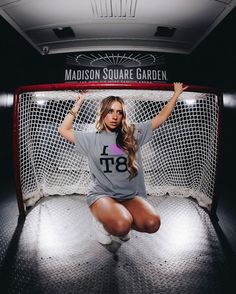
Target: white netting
pixel 180 159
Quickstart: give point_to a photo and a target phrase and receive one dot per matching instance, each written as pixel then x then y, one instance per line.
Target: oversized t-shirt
pixel 108 163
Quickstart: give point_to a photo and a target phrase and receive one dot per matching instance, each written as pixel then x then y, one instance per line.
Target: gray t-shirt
pixel 108 163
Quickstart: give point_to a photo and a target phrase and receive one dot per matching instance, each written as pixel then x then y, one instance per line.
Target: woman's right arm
pixel 66 127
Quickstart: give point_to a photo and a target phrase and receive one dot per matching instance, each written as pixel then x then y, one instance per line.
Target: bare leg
pixel 145 218
pixel 115 218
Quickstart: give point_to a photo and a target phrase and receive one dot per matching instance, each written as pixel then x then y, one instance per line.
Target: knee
pixel 119 227
pixel 152 224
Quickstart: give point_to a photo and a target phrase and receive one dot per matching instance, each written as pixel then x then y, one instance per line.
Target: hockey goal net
pixel 180 159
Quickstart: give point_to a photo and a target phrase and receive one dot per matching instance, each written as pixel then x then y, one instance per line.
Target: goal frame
pixel 100 86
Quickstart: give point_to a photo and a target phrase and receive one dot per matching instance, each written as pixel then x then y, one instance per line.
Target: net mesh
pixel 179 160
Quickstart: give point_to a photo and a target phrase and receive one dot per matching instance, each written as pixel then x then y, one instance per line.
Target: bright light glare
pixel 229 100
pixel 48 238
pixel 190 101
pixel 41 102
pixel 181 233
pixel 6 99
pixel 55 236
pixel 54 95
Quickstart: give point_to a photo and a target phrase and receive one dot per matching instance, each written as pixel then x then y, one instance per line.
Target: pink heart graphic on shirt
pixel 114 149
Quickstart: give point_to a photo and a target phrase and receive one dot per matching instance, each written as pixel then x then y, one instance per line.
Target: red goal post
pixel 181 159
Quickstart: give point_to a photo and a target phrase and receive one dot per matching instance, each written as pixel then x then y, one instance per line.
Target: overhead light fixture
pixel 64 32
pixel 114 8
pixel 165 31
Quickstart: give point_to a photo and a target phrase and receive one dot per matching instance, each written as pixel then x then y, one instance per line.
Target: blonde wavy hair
pixel 125 132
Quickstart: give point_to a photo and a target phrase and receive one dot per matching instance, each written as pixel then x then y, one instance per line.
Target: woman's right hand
pixel 79 101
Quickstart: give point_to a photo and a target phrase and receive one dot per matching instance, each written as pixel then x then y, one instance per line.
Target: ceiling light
pixel 114 8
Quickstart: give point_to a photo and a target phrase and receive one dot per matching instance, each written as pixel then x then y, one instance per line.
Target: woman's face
pixel 114 116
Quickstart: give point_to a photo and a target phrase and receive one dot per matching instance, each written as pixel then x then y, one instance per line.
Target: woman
pixel 117 194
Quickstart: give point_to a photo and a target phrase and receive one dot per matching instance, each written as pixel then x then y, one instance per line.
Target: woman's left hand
pixel 179 88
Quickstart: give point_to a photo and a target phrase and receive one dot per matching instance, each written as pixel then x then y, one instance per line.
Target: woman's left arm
pixel 162 116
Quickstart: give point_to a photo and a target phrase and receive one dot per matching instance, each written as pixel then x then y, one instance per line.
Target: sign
pixel 115 66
